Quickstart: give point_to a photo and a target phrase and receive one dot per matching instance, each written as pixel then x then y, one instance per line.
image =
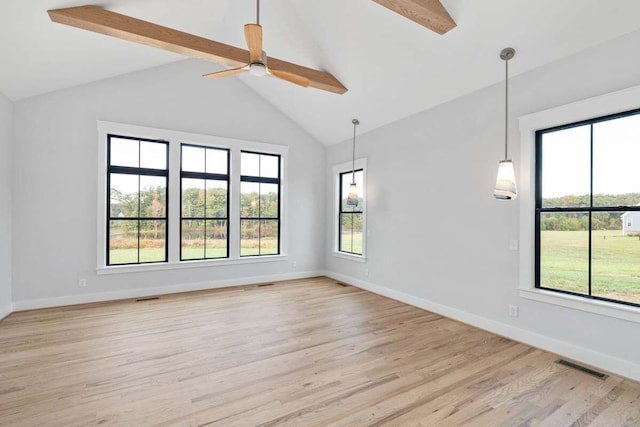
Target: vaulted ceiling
pixel 392 66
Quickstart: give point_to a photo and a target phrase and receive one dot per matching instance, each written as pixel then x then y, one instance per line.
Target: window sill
pixel 189 264
pixel 604 308
pixel 351 257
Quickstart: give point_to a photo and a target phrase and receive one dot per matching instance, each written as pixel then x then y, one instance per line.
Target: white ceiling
pixel 392 66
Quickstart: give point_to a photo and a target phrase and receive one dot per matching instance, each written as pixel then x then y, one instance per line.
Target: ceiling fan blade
pixel 226 73
pixel 99 20
pixel 253 35
pixel 290 77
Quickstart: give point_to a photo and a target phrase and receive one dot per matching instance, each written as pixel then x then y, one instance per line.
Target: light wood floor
pixel 299 353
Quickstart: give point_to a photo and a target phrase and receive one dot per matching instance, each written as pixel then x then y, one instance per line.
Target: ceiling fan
pixel 257 65
pixel 254 61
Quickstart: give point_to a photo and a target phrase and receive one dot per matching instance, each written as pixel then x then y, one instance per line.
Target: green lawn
pixel 615 263
pixel 349 245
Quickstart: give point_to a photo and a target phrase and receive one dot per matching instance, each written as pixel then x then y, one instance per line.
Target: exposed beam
pixel 99 20
pixel 428 13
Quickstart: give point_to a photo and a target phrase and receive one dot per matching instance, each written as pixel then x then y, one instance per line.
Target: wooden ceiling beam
pixel 428 13
pixel 99 20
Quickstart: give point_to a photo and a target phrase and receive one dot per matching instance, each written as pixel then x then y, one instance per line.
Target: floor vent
pixel 147 299
pixel 584 369
pixel 265 284
pixel 344 285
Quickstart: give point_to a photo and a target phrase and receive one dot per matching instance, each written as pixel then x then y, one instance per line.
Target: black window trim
pixel 341 212
pixel 262 180
pixel 539 209
pixel 205 176
pixel 127 170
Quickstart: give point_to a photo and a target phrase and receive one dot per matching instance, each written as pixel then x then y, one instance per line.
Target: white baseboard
pixel 5 311
pixel 32 304
pixel 593 358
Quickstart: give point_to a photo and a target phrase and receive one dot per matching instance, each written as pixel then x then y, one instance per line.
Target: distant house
pixel 630 222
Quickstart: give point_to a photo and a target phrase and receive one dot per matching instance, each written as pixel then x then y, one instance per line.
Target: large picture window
pixel 351 217
pixel 259 204
pixel 137 176
pixel 204 222
pixel 588 208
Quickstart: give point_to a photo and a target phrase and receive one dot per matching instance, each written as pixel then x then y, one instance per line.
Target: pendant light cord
pixel 258 12
pixel 353 157
pixel 506 109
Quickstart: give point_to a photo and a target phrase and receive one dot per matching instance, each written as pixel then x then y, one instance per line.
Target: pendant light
pixel 506 188
pixel 352 200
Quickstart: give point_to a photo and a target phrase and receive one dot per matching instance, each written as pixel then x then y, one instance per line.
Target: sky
pixel 616 154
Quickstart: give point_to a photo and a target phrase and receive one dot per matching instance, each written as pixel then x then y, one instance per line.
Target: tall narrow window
pixel 204 180
pixel 351 217
pixel 259 204
pixel 137 176
pixel 587 197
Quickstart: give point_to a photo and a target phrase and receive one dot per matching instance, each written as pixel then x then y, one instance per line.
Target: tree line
pixel 574 221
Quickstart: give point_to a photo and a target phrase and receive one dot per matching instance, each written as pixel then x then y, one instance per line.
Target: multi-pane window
pixel 259 204
pixel 204 180
pixel 351 216
pixel 137 176
pixel 588 208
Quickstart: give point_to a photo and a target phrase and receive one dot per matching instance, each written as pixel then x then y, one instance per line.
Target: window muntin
pixel 586 181
pixel 204 202
pixel 137 182
pixel 350 218
pixel 260 189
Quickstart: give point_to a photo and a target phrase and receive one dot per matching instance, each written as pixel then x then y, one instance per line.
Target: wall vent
pixel 581 368
pixel 265 284
pixel 344 285
pixel 147 299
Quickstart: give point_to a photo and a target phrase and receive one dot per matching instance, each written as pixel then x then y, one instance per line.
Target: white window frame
pixel 590 108
pixel 175 138
pixel 337 170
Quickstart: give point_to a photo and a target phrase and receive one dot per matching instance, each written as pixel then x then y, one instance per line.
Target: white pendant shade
pixel 506 182
pixel 352 199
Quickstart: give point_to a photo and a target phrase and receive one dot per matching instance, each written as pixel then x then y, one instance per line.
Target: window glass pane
pixel 347 179
pixel 193 198
pixel 249 237
pixel 616 151
pixel 216 236
pixel 124 152
pixel 566 163
pixel 346 232
pixel 615 256
pixel 269 166
pixel 123 195
pixel 216 199
pixel 564 251
pixel 153 196
pixel 217 161
pixel 250 164
pixel 268 200
pixel 152 241
pixel 123 242
pixel 249 200
pixel 193 159
pixel 192 239
pixel 268 237
pixel 153 155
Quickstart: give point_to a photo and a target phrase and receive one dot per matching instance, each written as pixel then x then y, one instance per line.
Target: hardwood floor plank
pixel 298 353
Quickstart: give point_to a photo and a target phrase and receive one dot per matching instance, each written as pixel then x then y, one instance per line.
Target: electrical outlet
pixel 514 311
pixel 366 272
pixel 513 245
pixel 82 283
pixel 295 264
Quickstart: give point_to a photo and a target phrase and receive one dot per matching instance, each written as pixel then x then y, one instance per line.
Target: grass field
pixel 615 263
pixel 347 244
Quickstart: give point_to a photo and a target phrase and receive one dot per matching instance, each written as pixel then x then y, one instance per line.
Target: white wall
pixel 55 148
pixel 6 121
pixel 438 235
